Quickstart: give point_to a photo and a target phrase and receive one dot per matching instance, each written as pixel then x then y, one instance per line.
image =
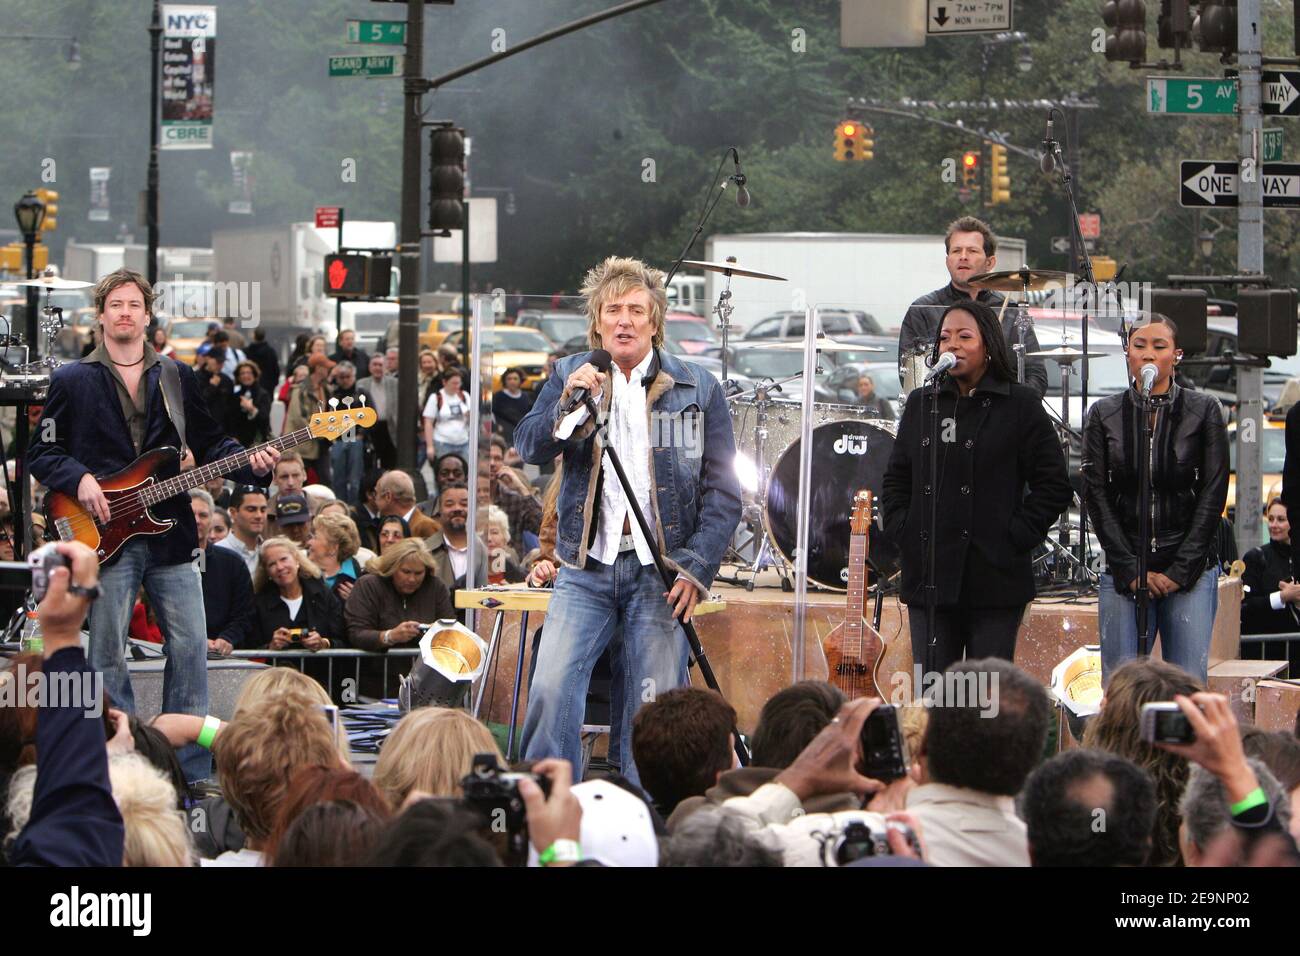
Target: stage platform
pixel 750 645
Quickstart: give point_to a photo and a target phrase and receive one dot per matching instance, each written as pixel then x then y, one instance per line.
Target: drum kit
pixel 850 452
pixel 35 376
pixel 1073 567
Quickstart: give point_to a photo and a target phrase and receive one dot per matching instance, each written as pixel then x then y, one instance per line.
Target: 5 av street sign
pixel 1212 183
pixel 1185 94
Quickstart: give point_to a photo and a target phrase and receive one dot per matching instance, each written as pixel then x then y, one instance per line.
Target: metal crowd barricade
pixel 301 655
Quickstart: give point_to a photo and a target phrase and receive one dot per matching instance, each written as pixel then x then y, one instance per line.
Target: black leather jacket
pixel 1189 482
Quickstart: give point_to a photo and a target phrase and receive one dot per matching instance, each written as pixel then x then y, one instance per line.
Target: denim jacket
pixel 696 503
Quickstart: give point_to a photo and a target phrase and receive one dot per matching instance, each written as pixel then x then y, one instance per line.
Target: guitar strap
pixel 170 381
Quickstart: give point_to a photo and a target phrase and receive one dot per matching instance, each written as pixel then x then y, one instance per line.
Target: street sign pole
pixel 1250 260
pixel 408 249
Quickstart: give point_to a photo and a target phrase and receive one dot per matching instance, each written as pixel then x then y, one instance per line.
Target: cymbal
pixel 730 268
pixel 822 344
pixel 55 282
pixel 1021 280
pixel 1062 354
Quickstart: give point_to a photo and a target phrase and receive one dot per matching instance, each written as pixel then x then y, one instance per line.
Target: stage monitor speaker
pixel 1187 307
pixel 1266 321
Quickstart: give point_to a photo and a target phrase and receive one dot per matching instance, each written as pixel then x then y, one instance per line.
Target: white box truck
pixel 284 268
pixel 878 273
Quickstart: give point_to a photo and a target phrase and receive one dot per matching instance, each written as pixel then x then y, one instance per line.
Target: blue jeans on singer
pixel 176 595
pixel 1184 621
pixel 586 608
pixel 347 460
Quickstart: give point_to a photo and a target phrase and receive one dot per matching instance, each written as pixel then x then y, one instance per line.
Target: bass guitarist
pixel 102 413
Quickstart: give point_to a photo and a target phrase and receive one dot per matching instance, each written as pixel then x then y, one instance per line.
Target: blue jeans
pixel 440 449
pixel 176 595
pixel 347 460
pixel 1184 621
pixel 587 607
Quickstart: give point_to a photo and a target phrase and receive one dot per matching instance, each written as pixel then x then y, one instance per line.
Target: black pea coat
pixel 1003 482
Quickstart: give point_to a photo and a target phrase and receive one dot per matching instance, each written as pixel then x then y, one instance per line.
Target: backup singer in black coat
pixel 1002 482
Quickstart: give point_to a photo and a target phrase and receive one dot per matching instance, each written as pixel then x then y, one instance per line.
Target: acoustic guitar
pixel 132 490
pixel 854 648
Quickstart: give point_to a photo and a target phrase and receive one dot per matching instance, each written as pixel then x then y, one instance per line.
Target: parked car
pixel 557 326
pixel 512 347
pixel 694 335
pixel 834 322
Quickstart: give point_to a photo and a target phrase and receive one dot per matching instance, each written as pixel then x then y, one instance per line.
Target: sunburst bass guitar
pixel 131 491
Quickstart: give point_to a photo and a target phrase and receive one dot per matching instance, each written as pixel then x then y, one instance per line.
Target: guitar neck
pixel 224 466
pixel 853 612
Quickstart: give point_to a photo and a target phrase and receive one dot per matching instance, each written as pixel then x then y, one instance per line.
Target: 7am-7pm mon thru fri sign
pixel 968 16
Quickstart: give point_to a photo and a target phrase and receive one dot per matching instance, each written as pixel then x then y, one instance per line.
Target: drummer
pixel 972 250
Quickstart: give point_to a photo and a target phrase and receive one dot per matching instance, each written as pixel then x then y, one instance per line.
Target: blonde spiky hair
pixel 617 277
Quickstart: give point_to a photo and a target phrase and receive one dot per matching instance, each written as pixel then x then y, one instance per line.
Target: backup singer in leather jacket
pixel 1189 485
pixel 1002 482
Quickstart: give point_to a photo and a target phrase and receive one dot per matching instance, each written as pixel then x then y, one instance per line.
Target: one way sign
pixel 1210 183
pixel 1281 92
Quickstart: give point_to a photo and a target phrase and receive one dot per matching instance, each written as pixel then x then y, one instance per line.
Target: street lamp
pixel 1025 58
pixel 74 55
pixel 1206 242
pixel 30 213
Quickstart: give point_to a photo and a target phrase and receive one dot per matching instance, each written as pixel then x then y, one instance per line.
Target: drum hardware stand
pixel 723 311
pixel 931 593
pixel 669 577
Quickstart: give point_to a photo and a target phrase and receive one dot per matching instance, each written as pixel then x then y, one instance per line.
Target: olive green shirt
pixel 135 408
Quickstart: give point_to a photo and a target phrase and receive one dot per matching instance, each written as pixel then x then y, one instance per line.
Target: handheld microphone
pixel 740 179
pixel 599 358
pixel 1148 374
pixel 1048 162
pixel 946 361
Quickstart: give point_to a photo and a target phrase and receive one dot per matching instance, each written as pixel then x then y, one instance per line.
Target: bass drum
pixel 847 456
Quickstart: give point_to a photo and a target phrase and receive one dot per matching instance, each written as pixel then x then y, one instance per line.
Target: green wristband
pixel 561 851
pixel 1250 800
pixel 209 732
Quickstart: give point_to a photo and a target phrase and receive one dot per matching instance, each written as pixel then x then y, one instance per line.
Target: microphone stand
pixel 931 597
pixel 1085 262
pixel 1144 523
pixel 692 638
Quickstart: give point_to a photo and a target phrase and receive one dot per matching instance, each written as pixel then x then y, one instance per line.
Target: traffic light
pixel 13 262
pixel 999 178
pixel 970 169
pixel 1128 21
pixel 446 179
pixel 864 146
pixel 352 275
pixel 1174 25
pixel 846 140
pixel 1215 27
pixel 50 198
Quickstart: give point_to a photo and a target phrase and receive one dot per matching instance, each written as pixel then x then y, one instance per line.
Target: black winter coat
pixel 1189 482
pixel 1003 484
pixel 320 611
pixel 1265 566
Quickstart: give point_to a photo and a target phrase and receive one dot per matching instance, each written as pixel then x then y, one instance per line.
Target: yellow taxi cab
pixel 512 347
pixel 1273 455
pixel 186 335
pixel 434 328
